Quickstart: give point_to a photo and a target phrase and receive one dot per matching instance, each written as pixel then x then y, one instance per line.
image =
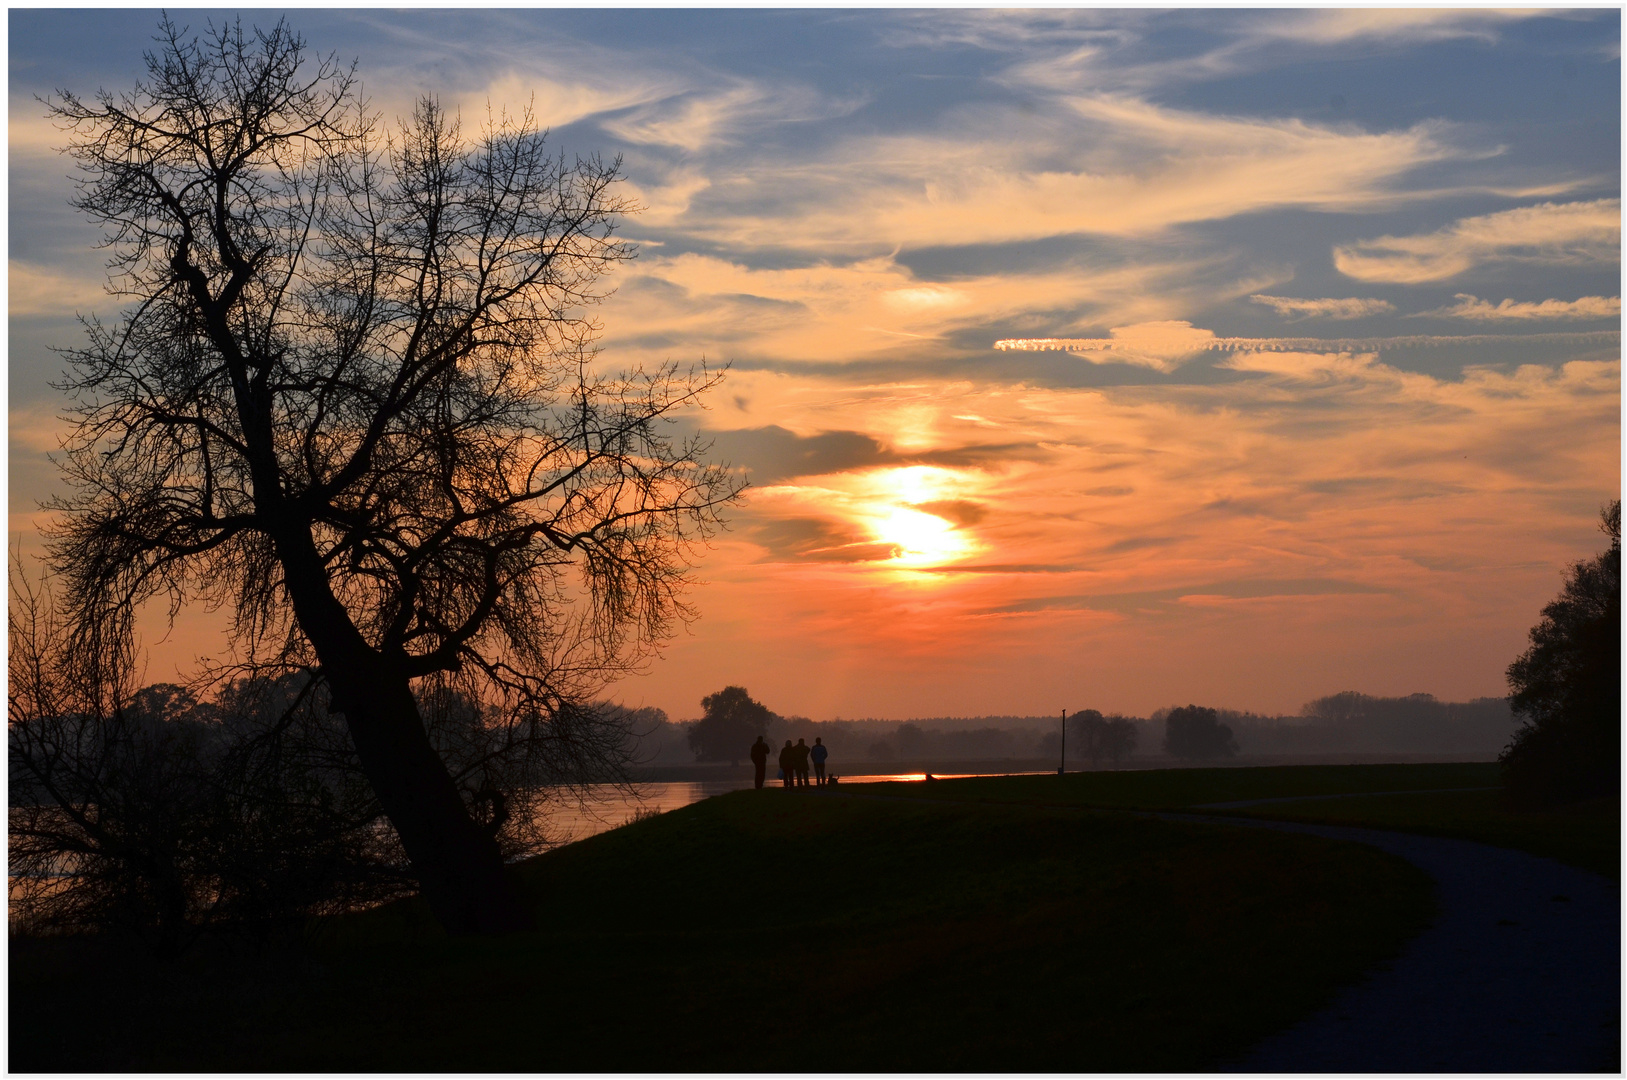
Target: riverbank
pixel 862 934
pixel 989 924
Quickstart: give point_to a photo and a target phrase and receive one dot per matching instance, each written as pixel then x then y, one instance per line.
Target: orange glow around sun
pixel 894 511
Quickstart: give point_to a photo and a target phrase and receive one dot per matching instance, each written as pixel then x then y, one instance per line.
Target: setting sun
pixel 920 511
pixel 921 537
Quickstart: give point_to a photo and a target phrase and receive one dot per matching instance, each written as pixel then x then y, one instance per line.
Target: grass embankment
pixel 1404 797
pixel 780 931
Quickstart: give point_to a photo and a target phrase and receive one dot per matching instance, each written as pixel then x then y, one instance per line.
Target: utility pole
pixel 1064 763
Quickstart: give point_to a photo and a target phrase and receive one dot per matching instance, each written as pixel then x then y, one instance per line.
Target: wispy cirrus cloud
pixel 689 122
pixel 1116 166
pixel 1548 233
pixel 1350 307
pixel 1413 26
pixel 694 121
pixel 40 290
pixel 833 311
pixel 1085 51
pixel 556 102
pixel 1586 307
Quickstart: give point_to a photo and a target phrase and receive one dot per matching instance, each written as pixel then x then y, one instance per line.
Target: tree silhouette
pixel 353 399
pixel 1089 735
pixel 1120 738
pixel 730 723
pixel 1567 687
pixel 1196 733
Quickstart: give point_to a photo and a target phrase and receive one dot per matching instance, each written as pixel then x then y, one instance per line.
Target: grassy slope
pixel 1171 789
pixel 1588 835
pixel 782 930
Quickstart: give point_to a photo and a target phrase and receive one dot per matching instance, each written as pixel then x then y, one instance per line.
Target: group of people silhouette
pixel 794 762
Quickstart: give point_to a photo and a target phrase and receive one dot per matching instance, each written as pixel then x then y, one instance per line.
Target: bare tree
pixel 353 398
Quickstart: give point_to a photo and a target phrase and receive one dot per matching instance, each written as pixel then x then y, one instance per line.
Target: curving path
pixel 1520 972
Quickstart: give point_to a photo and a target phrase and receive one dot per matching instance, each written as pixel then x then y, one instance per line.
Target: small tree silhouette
pixel 1196 733
pixel 731 723
pixel 1120 737
pixel 1090 735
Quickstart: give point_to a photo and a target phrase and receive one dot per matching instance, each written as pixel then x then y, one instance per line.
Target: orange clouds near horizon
pixel 1254 544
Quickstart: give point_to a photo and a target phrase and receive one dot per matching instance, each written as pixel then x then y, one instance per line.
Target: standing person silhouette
pixel 802 763
pixel 788 764
pixel 817 755
pixel 759 760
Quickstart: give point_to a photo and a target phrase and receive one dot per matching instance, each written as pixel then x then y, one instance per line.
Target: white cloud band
pixel 1551 233
pixel 1353 307
pixel 1587 307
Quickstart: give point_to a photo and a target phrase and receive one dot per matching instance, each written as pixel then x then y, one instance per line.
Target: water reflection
pixel 606 806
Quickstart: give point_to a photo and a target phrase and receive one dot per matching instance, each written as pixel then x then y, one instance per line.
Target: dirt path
pixel 1520 972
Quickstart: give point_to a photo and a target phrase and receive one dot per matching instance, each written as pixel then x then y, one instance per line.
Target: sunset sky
pixel 850 208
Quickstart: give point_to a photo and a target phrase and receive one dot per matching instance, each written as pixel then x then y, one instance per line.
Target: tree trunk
pixel 458 865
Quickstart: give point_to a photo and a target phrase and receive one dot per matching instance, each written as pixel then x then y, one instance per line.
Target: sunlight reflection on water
pixel 607 807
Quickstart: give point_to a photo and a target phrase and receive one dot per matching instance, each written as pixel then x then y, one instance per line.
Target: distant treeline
pixel 1352 722
pixel 879 741
pixel 1347 722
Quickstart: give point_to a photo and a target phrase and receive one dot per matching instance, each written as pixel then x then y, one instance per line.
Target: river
pixel 605 806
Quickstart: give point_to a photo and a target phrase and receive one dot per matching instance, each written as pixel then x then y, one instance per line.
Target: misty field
pixel 781 931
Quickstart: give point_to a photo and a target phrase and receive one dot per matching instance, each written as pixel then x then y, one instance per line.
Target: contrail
pixel 1306 344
